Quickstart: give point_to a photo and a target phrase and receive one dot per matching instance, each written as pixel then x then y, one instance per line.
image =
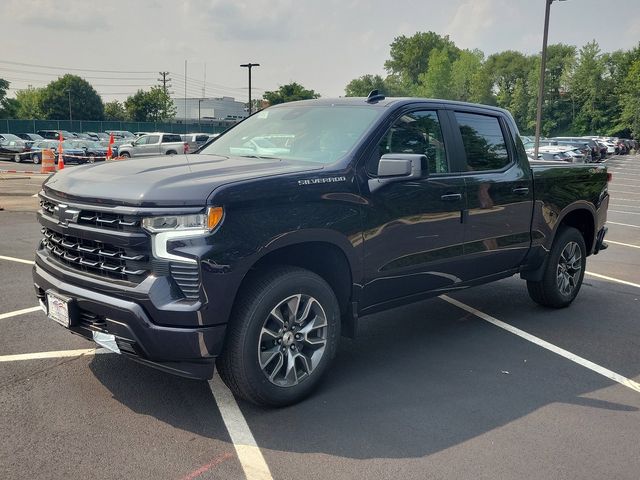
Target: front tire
pixel 283 333
pixel 35 159
pixel 17 158
pixel 564 271
pixel 125 155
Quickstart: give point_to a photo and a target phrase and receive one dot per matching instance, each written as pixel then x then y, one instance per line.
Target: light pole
pixel 250 66
pixel 543 67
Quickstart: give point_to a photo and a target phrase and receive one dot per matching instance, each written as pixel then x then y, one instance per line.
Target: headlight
pixel 174 227
pixel 200 221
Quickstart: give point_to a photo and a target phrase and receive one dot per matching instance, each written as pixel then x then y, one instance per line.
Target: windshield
pixel 311 133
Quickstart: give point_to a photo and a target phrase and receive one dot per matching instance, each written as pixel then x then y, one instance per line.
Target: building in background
pixel 224 109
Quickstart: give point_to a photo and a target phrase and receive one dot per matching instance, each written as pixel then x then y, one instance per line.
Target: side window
pixel 415 132
pixel 483 142
pixel 152 139
pixel 170 138
pixel 142 141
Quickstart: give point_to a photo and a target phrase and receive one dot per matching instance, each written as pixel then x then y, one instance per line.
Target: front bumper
pixel 185 351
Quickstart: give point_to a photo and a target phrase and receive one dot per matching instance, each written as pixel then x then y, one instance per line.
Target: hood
pixel 170 181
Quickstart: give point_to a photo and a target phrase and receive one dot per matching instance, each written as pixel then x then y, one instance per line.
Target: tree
pixel 436 81
pixel 410 56
pixel 469 81
pixel 362 86
pixel 630 101
pixel 506 68
pixel 86 104
pixel 588 89
pixel 114 110
pixel 153 105
pixel 7 106
pixel 289 93
pixel 29 103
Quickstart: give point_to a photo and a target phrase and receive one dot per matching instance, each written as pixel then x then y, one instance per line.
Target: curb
pixel 29 172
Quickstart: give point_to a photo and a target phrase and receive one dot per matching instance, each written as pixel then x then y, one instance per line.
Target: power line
pixel 47 74
pixel 74 69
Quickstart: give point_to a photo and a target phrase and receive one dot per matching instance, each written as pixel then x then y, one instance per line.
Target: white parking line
pixel 15 313
pixel 56 354
pixel 19 260
pixel 623 224
pixel 621 211
pixel 546 345
pixel 623 244
pixel 618 205
pixel 249 454
pixel 612 279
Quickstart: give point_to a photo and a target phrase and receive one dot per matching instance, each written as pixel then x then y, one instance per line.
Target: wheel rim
pixel 36 160
pixel 569 268
pixel 292 340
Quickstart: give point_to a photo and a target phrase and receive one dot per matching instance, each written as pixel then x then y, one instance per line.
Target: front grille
pixel 98 219
pixel 92 321
pixel 187 277
pixel 96 258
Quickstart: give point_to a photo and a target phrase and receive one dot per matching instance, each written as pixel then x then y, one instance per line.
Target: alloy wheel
pixel 569 268
pixel 292 340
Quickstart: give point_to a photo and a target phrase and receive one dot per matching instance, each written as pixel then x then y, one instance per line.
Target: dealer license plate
pixel 58 309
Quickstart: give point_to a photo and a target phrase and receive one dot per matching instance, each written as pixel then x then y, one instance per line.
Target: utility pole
pixel 70 118
pixel 166 85
pixel 250 66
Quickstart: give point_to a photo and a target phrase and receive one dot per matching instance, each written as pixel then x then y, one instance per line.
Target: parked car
pixel 99 136
pixel 71 152
pixel 195 140
pixel 139 134
pixel 261 263
pixel 29 138
pixel 92 149
pixel 55 134
pixel 155 144
pixel 13 147
pixel 124 134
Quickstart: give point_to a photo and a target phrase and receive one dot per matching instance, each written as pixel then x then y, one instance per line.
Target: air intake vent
pixel 187 277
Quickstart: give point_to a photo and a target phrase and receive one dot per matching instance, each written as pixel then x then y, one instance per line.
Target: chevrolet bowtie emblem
pixel 65 214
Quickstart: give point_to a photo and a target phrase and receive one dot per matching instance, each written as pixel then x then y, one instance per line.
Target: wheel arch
pixel 582 217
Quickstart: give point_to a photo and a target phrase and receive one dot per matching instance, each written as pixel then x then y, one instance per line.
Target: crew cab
pixel 257 260
pixel 154 144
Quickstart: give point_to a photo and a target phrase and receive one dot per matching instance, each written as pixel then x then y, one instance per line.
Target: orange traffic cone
pixel 61 162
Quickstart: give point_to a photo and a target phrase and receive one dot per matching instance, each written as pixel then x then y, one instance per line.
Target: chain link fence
pixel 32 126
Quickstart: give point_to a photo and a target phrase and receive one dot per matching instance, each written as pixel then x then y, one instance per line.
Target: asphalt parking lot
pixel 448 388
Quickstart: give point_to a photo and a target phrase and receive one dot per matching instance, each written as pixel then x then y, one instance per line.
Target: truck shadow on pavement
pixel 418 380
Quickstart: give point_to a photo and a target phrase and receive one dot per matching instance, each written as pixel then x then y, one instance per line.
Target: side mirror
pixel 399 167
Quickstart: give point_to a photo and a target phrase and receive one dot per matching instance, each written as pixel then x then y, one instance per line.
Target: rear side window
pixel 483 141
pixel 151 139
pixel 202 138
pixel 170 138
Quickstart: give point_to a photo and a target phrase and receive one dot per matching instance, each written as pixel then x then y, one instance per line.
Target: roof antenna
pixel 375 96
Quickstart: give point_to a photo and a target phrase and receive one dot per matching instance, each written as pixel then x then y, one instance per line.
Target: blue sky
pixel 321 44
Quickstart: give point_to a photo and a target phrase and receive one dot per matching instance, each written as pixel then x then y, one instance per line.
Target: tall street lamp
pixel 200 100
pixel 543 67
pixel 250 66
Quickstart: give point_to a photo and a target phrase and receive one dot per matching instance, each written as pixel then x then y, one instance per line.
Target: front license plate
pixel 58 309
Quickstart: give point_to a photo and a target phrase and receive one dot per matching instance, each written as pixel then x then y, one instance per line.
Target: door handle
pixel 451 197
pixel 521 190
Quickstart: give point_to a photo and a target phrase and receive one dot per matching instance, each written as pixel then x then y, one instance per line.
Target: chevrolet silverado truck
pixel 257 264
pixel 154 144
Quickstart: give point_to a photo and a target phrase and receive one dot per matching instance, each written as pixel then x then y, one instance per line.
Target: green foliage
pixel 362 86
pixel 86 104
pixel 115 110
pixel 6 105
pixel 29 103
pixel 410 56
pixel 150 106
pixel 290 93
pixel 586 92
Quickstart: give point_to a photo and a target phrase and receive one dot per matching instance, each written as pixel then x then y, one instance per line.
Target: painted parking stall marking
pixel 55 354
pixel 18 260
pixel 15 313
pixel 546 345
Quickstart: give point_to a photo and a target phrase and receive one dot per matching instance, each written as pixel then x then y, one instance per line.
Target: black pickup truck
pixel 259 251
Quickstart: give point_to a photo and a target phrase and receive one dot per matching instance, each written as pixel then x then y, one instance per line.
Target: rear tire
pixel 36 159
pixel 17 158
pixel 275 354
pixel 171 152
pixel 564 272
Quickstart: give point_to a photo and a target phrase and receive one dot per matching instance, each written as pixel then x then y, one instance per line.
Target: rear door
pixel 499 188
pixel 413 240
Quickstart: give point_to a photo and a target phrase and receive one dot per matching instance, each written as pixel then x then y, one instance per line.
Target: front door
pixel 413 239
